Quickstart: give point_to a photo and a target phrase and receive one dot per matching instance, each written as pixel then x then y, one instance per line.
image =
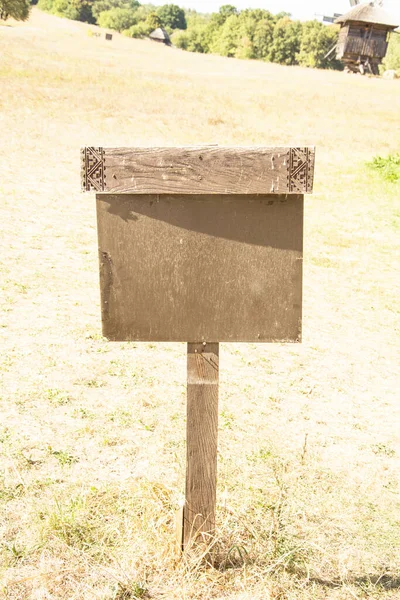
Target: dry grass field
pixel 92 434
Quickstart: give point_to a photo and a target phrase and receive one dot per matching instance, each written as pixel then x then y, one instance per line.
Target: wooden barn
pixel 364 36
pixel 160 35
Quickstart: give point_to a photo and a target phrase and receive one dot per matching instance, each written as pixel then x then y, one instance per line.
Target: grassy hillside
pixel 92 434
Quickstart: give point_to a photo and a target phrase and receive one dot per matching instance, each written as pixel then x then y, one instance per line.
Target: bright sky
pixel 300 9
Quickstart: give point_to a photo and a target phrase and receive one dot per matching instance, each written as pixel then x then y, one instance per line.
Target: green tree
pixel 218 19
pixel 16 9
pixel 100 6
pixel 227 10
pixel 247 34
pixel 244 48
pixel 249 21
pixel 214 24
pixel 197 39
pixel 227 40
pixel 78 10
pixel 392 59
pixel 211 32
pixel 286 41
pixel 138 31
pixel 193 19
pixel 180 39
pixel 117 18
pixel 316 41
pixel 247 25
pixel 193 39
pixel 263 38
pixel 143 11
pixel 172 16
pixel 46 5
pixel 66 9
pixel 153 21
pixel 257 14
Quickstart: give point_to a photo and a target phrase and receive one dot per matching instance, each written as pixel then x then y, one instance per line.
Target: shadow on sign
pixel 275 221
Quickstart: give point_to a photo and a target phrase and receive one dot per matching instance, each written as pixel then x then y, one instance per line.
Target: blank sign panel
pixel 215 268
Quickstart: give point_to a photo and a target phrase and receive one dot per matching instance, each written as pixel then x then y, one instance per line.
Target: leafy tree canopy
pixel 100 6
pixel 153 21
pixel 219 18
pixel 227 10
pixel 392 60
pixel 144 11
pixel 17 9
pixel 172 16
pixel 286 41
pixel 226 42
pixel 263 38
pixel 141 29
pixel 316 41
pixel 117 18
pixel 193 39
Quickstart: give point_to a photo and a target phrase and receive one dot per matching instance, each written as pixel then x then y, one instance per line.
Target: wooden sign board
pixel 201 268
pixel 200 245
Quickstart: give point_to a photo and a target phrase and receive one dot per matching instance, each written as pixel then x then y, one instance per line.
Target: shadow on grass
pixel 386 582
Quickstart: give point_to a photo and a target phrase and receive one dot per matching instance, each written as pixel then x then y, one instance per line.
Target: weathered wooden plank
pixel 201 442
pixel 224 268
pixel 199 170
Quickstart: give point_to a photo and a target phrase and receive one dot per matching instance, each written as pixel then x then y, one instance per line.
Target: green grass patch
pixel 388 168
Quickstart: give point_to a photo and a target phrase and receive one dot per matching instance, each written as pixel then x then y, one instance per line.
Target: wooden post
pixel 201 440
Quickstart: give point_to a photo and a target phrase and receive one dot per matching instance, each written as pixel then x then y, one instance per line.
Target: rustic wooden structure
pixel 363 38
pixel 200 245
pixel 160 35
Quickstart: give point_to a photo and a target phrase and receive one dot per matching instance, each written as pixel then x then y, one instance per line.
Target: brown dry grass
pixel 92 433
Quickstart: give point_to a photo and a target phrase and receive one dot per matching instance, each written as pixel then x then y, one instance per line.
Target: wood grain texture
pixel 202 442
pixel 199 170
pixel 219 268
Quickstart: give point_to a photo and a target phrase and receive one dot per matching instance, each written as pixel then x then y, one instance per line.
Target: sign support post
pixel 201 441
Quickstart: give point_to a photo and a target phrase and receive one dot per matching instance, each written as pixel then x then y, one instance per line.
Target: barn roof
pixel 160 34
pixel 368 13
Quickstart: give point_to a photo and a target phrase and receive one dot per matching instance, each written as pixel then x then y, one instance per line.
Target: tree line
pixel 257 33
pixel 126 16
pixel 249 33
